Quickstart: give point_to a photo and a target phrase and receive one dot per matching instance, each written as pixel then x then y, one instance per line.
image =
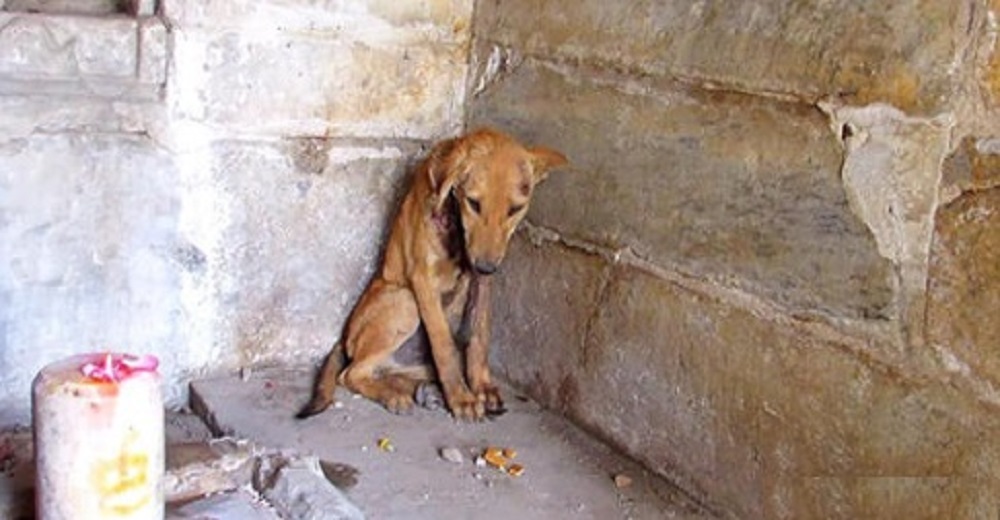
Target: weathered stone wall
pixel 771 271
pixel 208 184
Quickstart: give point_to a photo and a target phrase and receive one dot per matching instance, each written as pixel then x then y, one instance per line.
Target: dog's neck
pixel 448 225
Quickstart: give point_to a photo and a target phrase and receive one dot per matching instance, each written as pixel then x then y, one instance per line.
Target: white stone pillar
pixel 99 445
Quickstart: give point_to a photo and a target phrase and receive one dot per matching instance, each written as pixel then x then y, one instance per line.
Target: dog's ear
pixel 444 168
pixel 545 159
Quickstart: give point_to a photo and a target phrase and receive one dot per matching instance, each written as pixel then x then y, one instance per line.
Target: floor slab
pixel 567 473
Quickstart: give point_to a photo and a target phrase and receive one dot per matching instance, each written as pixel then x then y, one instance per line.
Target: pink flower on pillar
pixel 117 367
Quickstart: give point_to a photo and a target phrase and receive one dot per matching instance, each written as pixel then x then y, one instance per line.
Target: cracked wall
pixel 769 272
pixel 209 184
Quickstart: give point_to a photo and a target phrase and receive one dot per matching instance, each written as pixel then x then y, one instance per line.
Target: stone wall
pixel 208 183
pixel 771 271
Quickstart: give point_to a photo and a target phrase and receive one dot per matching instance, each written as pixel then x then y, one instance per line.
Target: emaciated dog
pixel 449 237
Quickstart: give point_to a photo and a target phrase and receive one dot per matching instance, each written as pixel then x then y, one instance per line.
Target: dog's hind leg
pixel 386 318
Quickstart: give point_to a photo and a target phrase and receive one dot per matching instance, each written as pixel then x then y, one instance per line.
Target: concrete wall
pixel 209 184
pixel 771 273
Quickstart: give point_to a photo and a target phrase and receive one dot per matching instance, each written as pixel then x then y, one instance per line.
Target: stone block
pixel 96 7
pixel 184 427
pixel 89 233
pixel 858 53
pixel 26 114
pixel 964 287
pixel 745 400
pixel 228 478
pixel 699 182
pixel 81 56
pixel 153 51
pixel 67 46
pixel 301 85
pixel 370 69
pixel 304 230
pixel 256 257
pixel 543 300
pixel 988 66
pixel 297 488
pixel 746 413
pixel 142 7
pixel 242 504
pixel 198 469
pixel 974 165
pixel 377 19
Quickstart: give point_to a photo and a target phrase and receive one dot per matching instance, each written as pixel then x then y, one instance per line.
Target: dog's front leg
pixel 477 355
pixel 461 400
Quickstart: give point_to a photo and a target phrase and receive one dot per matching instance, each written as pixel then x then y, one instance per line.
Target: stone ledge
pixel 293 485
pixel 116 57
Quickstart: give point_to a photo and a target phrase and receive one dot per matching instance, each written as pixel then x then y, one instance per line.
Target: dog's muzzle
pixel 485 267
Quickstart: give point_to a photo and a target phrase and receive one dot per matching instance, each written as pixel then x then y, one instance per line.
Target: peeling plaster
pixel 892 177
pixel 891 174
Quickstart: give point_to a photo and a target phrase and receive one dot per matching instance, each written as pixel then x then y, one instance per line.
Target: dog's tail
pixel 326 382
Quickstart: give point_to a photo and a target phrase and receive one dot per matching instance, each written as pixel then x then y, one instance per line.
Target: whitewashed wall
pixel 208 185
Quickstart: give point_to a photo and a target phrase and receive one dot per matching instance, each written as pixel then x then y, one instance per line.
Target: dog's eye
pixel 514 210
pixel 474 205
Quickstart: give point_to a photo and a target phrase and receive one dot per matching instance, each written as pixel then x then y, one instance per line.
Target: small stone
pixel 452 455
pixel 338 404
pixel 480 462
pixel 622 481
pixel 343 476
pixel 297 488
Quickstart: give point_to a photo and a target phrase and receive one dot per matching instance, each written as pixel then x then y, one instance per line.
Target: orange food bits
pixel 494 457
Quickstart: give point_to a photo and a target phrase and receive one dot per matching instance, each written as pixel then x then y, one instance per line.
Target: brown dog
pixel 449 236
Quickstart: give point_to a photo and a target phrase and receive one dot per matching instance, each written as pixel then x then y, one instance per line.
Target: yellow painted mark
pixel 123 481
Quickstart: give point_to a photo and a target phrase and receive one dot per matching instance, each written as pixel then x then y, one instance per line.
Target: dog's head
pixel 492 177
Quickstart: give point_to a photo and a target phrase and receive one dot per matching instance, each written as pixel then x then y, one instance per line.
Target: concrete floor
pixel 567 474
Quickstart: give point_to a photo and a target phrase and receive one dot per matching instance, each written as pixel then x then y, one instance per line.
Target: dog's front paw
pixel 489 395
pixel 465 406
pixel 400 404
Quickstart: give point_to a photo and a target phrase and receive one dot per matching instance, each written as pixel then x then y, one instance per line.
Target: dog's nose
pixel 484 267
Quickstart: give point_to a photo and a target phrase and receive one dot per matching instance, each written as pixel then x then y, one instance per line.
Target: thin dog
pixel 448 239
